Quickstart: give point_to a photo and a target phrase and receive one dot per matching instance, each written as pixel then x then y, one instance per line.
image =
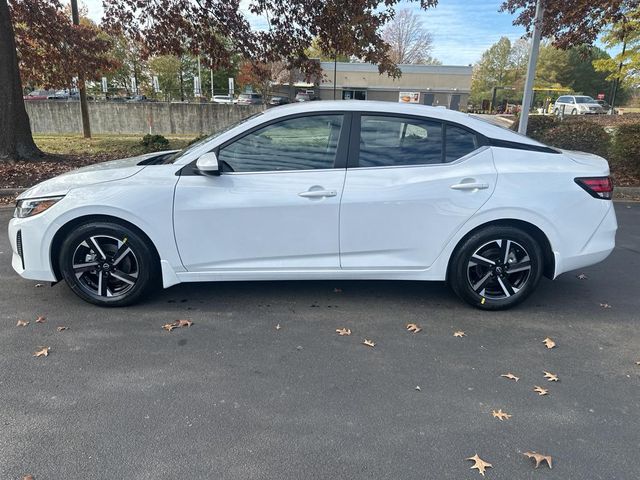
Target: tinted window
pixel 460 142
pixel 302 143
pixel 395 141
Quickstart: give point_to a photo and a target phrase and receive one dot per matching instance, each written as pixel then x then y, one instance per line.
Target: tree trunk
pixel 16 142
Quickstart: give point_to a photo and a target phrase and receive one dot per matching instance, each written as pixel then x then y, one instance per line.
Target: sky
pixel 462 29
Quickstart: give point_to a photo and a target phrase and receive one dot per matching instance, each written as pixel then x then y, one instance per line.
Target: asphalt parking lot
pixel 233 397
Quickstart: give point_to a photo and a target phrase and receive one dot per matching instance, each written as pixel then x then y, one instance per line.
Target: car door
pixel 275 205
pixel 412 182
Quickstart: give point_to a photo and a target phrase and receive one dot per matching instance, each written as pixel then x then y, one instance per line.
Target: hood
pixel 90 175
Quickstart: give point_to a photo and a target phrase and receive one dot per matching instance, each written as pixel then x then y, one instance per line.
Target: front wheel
pixel 107 264
pixel 496 268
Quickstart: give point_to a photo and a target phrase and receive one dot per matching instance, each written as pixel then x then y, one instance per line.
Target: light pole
pixel 84 108
pixel 531 69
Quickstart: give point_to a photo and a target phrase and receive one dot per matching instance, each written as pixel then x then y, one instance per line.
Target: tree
pixel 494 69
pixel 570 22
pixel 16 142
pixel 625 65
pixel 410 42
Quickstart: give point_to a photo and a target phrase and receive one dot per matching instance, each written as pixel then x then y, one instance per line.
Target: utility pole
pixel 335 72
pixel 531 69
pixel 84 108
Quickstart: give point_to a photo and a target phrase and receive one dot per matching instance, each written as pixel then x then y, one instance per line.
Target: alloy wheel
pixel 499 269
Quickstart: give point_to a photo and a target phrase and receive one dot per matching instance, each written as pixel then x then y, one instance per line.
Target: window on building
pixel 354 94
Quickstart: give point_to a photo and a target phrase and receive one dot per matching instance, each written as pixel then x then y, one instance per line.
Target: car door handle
pixel 318 193
pixel 470 186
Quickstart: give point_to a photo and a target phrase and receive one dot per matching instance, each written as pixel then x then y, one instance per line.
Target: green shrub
pixel 197 139
pixel 575 135
pixel 537 125
pixel 154 143
pixel 626 146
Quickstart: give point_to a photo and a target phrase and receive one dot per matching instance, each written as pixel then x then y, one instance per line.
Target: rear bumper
pixel 25 236
pixel 598 247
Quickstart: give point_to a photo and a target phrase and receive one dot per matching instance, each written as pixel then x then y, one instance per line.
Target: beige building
pixel 437 85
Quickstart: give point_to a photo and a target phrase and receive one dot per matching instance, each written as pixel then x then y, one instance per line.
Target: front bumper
pixel 30 260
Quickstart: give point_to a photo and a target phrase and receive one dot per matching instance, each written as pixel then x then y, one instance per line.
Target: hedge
pixel 626 146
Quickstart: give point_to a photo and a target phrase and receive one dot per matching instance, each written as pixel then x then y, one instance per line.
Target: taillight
pixel 598 187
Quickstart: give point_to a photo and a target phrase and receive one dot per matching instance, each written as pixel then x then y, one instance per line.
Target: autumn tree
pixel 16 141
pixel 494 69
pixel 410 42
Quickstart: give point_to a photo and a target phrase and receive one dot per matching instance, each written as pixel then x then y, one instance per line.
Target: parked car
pixel 40 95
pixel 354 190
pixel 279 101
pixel 250 99
pixel 223 99
pixel 576 105
pixel 303 97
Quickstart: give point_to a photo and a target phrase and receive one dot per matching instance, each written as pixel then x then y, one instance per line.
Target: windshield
pixel 585 100
pixel 193 146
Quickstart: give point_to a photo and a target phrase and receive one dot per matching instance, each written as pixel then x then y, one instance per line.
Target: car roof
pixel 481 126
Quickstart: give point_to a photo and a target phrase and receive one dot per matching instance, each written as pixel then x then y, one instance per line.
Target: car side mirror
pixel 207 164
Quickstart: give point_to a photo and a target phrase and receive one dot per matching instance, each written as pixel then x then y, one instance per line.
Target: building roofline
pixel 404 68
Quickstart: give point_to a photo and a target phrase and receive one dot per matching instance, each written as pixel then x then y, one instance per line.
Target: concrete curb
pixel 11 191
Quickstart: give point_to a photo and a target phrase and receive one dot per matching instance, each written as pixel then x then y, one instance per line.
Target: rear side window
pixel 460 142
pixel 399 141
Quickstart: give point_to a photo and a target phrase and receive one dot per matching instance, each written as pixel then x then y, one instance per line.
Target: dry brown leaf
pixel 605 305
pixel 43 352
pixel 343 331
pixel 278 327
pixel 28 477
pixel 22 323
pixel 459 333
pixel 169 326
pixel 480 464
pixel 62 328
pixel 539 458
pixel 369 343
pixel 183 323
pixel 541 391
pixel 413 328
pixel 551 377
pixel 510 376
pixel 41 319
pixel 549 343
pixel 500 415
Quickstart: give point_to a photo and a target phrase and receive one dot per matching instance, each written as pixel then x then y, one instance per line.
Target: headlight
pixel 33 206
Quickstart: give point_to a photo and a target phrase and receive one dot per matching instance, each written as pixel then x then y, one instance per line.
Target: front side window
pixel 301 143
pixel 397 141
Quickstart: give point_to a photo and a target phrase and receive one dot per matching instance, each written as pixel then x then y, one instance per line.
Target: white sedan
pixel 324 190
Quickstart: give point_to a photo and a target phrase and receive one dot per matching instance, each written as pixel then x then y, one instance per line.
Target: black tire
pixel 119 271
pixel 479 275
pixel 574 112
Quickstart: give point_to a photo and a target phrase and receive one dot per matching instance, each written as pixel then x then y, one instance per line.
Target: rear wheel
pixel 574 112
pixel 496 268
pixel 107 264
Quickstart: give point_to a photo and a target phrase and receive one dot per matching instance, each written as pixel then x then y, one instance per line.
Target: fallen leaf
pixel 343 331
pixel 582 276
pixel 418 388
pixel 41 319
pixel 510 376
pixel 183 323
pixel 278 327
pixel 413 328
pixel 549 343
pixel 43 352
pixel 337 290
pixel 459 333
pixel 169 326
pixel 539 458
pixel 369 343
pixel 550 376
pixel 500 415
pixel 541 391
pixel 22 323
pixel 480 464
pixel 605 305
pixel 28 477
pixel 62 329
pixel 38 285
pixel 637 363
